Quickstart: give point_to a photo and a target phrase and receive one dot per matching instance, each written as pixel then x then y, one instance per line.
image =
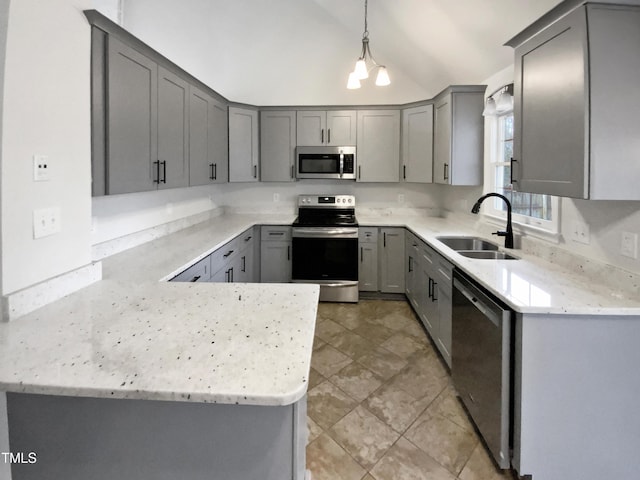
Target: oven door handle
pixel 322 232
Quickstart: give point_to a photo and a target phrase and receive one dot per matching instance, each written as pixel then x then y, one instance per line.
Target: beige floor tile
pixel 405 461
pixel 327 360
pixel 363 436
pixel 328 461
pixel 346 314
pixel 326 404
pixel 357 381
pixel 314 378
pixel 318 342
pixel 448 405
pixel 481 467
pixel 406 323
pixel 421 379
pixel 368 477
pixel 327 329
pixel 374 332
pixel 313 429
pixel 395 407
pixel 449 444
pixel 353 345
pixel 382 362
pixel 404 346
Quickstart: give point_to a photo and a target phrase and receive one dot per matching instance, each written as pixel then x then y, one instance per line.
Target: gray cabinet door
pixel 442 141
pixel 243 145
pixel 392 260
pixel 550 111
pixel 275 262
pixel 173 130
pixel 311 127
pixel 208 139
pixel 132 120
pixel 341 128
pixel 378 154
pixel 417 144
pixel 368 268
pixel 277 146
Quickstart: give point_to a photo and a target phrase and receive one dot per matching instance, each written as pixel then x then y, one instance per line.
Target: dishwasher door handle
pixel 480 301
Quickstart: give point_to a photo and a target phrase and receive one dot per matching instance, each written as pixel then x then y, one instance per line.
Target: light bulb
pixel 353 82
pixel 361 69
pixel 382 79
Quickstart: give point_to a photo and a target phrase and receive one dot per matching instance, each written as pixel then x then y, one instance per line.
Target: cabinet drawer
pixel 200 272
pixel 368 235
pixel 275 233
pixel 225 254
pixel 246 239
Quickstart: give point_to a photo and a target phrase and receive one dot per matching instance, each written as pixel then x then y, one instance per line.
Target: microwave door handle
pixel 341 164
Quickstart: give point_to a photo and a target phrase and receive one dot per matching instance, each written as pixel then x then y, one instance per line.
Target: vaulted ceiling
pixel 299 52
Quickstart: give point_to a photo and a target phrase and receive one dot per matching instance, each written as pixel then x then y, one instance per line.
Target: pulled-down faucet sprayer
pixel 508 234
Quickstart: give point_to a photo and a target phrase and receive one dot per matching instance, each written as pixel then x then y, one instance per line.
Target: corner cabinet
pixel 277 146
pixel 417 144
pixel 326 127
pixel 458 146
pixel 576 104
pixel 378 148
pixel 243 145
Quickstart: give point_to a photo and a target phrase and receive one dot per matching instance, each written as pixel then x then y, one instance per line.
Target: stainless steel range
pixel 325 246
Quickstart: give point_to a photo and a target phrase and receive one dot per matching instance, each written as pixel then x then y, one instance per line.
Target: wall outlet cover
pixel 629 245
pixel 580 233
pixel 41 168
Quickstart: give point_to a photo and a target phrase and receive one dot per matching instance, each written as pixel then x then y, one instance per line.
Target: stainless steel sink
pixel 468 243
pixel 487 254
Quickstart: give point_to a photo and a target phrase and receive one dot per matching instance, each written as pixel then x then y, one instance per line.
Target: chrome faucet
pixel 508 234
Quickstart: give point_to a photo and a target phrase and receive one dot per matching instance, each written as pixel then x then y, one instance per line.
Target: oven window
pixel 318 163
pixel 325 259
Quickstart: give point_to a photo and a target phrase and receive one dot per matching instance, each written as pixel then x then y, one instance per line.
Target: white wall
pixel 46 111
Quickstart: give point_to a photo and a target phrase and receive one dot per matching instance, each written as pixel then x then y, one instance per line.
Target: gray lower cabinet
pixel 429 289
pixel 378 154
pixel 391 242
pixel 243 145
pixel 275 254
pixel 172 166
pixel 417 144
pixel 573 134
pixel 208 139
pixel 199 272
pixel 277 146
pixel 132 119
pixel 368 261
pixel 458 145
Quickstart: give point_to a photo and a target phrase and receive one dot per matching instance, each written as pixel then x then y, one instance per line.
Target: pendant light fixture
pixel 366 63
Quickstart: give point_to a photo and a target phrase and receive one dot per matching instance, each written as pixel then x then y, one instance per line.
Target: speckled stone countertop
pixel 529 285
pixel 133 336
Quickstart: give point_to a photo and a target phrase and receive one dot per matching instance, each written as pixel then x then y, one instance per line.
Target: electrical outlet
pixel 401 198
pixel 580 233
pixel 46 221
pixel 41 168
pixel 629 245
pixel 276 197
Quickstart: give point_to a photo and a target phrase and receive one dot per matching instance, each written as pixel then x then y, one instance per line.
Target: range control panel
pixel 327 201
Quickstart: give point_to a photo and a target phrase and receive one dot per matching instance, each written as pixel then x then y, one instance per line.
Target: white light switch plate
pixel 629 245
pixel 46 221
pixel 580 233
pixel 41 168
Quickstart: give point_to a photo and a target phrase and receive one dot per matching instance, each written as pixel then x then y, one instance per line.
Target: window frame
pixel 547 229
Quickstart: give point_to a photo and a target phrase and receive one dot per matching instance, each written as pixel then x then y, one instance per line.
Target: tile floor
pixel 381 405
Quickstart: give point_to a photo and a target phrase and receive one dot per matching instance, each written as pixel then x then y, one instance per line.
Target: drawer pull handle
pixel 228 253
pixel 195 279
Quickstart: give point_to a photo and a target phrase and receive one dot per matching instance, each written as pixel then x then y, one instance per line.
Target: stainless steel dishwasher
pixel 481 359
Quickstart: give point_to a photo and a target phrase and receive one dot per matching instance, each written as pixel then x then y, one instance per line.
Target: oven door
pixel 327 256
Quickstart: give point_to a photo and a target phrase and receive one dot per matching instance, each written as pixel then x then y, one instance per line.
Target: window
pixel 531 209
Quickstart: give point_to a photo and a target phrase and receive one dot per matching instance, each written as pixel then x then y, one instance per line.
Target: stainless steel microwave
pixel 326 162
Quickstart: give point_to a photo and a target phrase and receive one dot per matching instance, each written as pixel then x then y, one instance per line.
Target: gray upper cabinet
pixel 173 130
pixel 417 144
pixel 322 127
pixel 208 139
pixel 458 146
pixel 576 104
pixel 132 116
pixel 378 149
pixel 277 146
pixel 243 145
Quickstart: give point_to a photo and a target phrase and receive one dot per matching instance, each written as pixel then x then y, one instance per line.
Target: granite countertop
pixel 133 335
